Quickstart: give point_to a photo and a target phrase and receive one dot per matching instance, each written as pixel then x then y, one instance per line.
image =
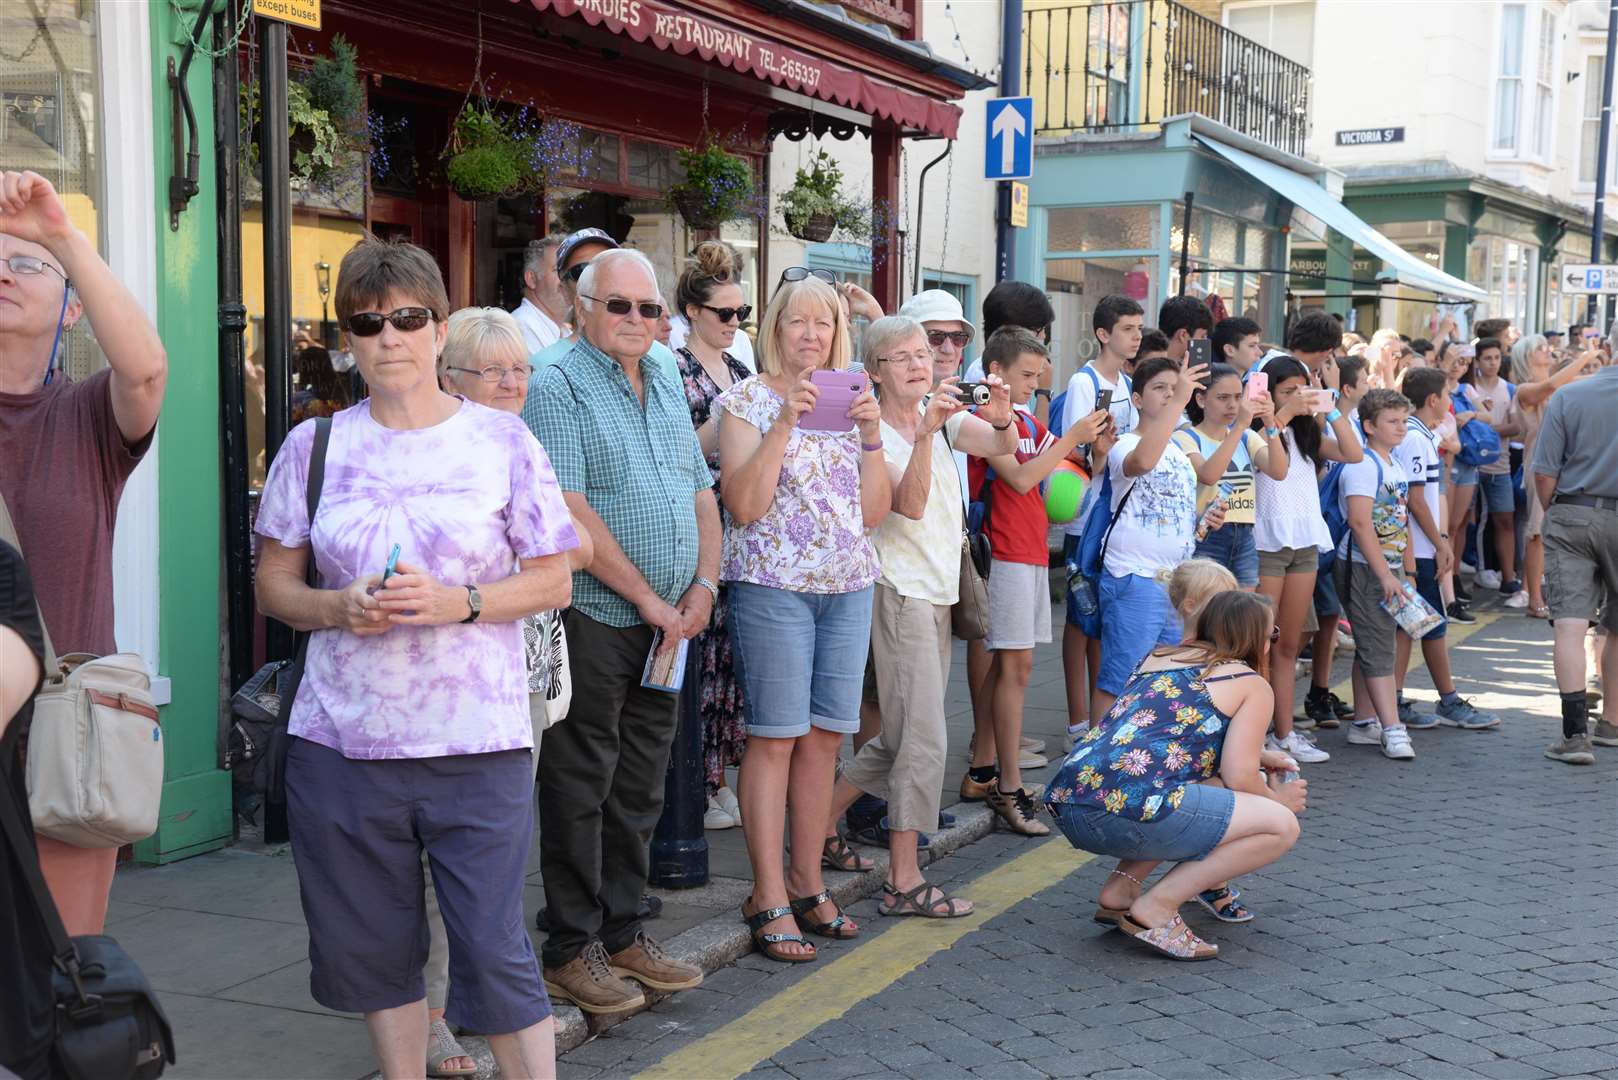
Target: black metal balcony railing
pixel 1126 64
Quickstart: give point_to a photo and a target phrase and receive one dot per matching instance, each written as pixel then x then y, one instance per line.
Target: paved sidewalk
pixel 1449 917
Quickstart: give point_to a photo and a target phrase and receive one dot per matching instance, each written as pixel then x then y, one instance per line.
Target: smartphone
pixel 1201 352
pixel 974 393
pixel 838 389
pixel 392 566
pixel 1467 351
pixel 1320 401
pixel 1258 384
pixel 1104 399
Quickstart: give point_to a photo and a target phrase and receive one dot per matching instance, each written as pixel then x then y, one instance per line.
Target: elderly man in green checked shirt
pixel 616 427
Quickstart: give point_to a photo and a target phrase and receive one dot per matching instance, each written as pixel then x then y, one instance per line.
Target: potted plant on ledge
pixel 815 207
pixel 718 186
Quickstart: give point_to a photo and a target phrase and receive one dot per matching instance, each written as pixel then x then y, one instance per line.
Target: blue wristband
pixel 1334 416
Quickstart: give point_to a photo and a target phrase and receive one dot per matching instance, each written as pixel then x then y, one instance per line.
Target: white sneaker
pixel 1299 747
pixel 1073 735
pixel 1396 744
pixel 1366 733
pixel 1518 599
pixel 727 799
pixel 717 817
pixel 1488 579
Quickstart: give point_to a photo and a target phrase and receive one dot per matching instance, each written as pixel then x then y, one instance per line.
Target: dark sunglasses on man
pixel 725 314
pixel 961 338
pixel 798 273
pixel 576 271
pixel 405 320
pixel 618 306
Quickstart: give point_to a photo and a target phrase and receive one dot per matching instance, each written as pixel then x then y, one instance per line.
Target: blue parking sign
pixel 1593 279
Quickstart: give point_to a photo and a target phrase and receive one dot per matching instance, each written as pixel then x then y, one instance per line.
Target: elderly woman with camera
pixel 439 527
pixel 919 547
pixel 802 485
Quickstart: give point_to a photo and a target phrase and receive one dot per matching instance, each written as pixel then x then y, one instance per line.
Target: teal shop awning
pixel 1313 199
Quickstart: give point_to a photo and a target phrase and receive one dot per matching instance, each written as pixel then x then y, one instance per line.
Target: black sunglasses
pixel 962 338
pixel 576 271
pixel 726 314
pixel 798 273
pixel 404 320
pixel 620 306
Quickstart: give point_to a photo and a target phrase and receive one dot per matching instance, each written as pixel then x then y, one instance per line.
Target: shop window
pixel 1287 27
pixel 653 165
pixel 1075 286
pixel 1544 87
pixel 1590 123
pixel 49 122
pixel 597 153
pixel 1101 228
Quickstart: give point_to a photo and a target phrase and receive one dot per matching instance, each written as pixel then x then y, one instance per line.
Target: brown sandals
pixel 910 902
pixel 835 854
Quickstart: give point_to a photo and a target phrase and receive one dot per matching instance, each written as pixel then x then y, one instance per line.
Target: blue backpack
pixel 1331 503
pixel 1480 443
pixel 1058 415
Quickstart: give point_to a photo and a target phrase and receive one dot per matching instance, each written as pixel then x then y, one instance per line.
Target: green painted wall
pixel 196 810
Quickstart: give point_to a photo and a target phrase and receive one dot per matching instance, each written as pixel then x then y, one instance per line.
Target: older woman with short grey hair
pixel 919 546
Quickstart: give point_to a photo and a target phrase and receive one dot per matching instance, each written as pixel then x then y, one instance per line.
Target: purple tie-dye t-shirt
pixel 463 499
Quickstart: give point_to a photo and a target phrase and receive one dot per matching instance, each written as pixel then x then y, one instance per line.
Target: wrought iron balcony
pixel 1125 65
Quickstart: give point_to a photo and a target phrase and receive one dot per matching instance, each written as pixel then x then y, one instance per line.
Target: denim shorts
pixel 800 658
pixel 1498 494
pixel 1232 547
pixel 1465 475
pixel 1187 833
pixel 1427 586
pixel 1327 605
pixel 1136 617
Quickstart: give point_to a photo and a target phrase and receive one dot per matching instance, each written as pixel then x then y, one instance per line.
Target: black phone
pixel 1104 398
pixel 1201 352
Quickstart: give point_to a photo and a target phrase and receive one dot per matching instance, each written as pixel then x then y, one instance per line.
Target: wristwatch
pixel 710 586
pixel 474 600
pixel 1042 392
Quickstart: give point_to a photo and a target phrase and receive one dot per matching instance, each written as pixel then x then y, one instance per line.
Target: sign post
pixel 1589 278
pixel 304 13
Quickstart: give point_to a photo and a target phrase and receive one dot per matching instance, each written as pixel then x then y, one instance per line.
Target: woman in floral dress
pixel 711 301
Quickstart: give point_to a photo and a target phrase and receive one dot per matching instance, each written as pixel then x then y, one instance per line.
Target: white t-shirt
pixel 539 330
pixel 1289 509
pixel 1390 505
pixel 922 559
pixel 1418 457
pixel 1156 530
pixel 1081 402
pixel 741 349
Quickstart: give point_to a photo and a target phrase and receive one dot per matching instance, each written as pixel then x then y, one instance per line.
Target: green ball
pixel 1063 492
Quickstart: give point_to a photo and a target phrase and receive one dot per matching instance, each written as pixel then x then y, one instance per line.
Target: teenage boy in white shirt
pixel 1418 456
pixel 1372 560
pixel 1154 504
pixel 1117 324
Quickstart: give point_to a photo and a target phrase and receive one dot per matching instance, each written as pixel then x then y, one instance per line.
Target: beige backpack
pixel 95 748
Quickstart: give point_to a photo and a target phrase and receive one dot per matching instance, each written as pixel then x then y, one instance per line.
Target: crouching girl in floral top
pixel 1133 787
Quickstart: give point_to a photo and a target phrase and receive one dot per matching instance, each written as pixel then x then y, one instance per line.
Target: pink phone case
pixel 1320 401
pixel 838 389
pixel 1257 383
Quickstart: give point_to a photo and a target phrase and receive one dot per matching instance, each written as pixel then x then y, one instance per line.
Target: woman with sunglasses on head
pixel 440 526
pixel 67 447
pixel 1141 785
pixel 801 569
pixel 710 298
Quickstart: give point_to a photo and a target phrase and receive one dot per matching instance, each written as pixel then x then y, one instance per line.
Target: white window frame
pixel 1526 135
pixel 1580 185
pixel 1234 5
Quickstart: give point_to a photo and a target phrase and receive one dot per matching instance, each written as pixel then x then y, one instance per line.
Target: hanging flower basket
pixel 718 186
pixel 696 208
pixel 815 228
pixel 815 207
pixel 486 159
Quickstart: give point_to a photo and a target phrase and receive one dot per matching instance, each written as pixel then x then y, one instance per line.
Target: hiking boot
pixel 648 963
pixel 1572 750
pixel 972 791
pixel 1018 810
pixel 588 981
pixel 1606 734
pixel 1463 714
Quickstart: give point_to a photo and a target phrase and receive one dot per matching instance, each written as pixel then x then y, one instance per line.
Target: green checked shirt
pixel 639 468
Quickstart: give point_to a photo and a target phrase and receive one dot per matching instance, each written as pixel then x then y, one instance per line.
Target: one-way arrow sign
pixel 1589 278
pixel 1008 152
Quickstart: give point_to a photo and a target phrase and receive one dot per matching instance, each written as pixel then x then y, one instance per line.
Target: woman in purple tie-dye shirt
pixel 414 693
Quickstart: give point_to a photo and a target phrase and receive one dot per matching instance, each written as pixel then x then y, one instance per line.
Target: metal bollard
pixel 679 845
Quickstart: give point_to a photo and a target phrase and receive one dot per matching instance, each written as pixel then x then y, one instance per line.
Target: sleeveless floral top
pixel 1163 733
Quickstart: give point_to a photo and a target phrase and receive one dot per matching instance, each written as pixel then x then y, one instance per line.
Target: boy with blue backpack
pixel 1374 556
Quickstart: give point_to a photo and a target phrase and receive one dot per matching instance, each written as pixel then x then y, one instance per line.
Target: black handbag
pixel 109 1023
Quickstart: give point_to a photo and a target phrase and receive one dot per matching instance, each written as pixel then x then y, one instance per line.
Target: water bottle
pixel 1083 592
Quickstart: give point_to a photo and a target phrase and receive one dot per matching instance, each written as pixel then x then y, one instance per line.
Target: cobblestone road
pixel 1450 917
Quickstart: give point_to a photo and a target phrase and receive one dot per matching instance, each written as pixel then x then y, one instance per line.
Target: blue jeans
pixel 800 658
pixel 1136 616
pixel 1187 833
pixel 1232 547
pixel 1497 492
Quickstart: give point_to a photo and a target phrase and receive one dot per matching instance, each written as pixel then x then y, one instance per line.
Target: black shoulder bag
pixel 262 707
pixel 109 1023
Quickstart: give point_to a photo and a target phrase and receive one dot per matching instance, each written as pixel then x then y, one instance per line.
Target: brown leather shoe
pixel 589 981
pixel 972 791
pixel 1019 811
pixel 647 962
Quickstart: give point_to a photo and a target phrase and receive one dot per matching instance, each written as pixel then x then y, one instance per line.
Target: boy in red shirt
pixel 1019 579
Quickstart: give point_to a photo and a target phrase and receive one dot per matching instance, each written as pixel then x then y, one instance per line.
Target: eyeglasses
pixel 494 373
pixel 32 266
pixel 725 314
pixel 619 306
pixel 405 320
pixel 915 359
pixel 576 271
pixel 798 273
pixel 961 338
